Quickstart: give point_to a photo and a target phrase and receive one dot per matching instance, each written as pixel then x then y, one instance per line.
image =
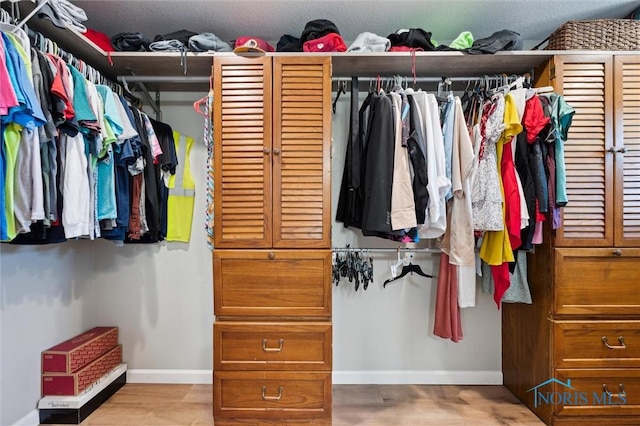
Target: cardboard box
pixel 75 409
pixel 74 383
pixel 75 353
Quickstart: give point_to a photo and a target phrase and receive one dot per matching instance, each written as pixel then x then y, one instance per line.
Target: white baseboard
pixel 419 377
pixel 380 377
pixel 31 419
pixel 194 377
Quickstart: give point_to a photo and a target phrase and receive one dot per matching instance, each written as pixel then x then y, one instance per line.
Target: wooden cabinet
pixel 272 155
pixel 583 328
pixel 596 344
pixel 596 282
pixel 627 147
pixel 281 395
pixel 257 283
pixel 272 257
pixel 603 151
pixel 272 346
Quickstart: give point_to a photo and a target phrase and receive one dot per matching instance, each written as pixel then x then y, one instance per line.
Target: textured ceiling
pixel 228 19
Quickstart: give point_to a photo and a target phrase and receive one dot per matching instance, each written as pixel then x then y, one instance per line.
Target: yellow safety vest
pixel 182 191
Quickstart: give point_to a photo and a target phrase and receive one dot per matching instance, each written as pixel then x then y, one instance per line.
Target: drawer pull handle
pixel 622 393
pixel 617 252
pixel 275 398
pixel 620 339
pixel 272 255
pixel 278 349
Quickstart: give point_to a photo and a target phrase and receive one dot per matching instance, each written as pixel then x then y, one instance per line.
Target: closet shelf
pixel 169 64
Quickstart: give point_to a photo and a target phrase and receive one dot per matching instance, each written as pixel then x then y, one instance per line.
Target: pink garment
pixel 8 97
pixel 537 234
pixel 447 324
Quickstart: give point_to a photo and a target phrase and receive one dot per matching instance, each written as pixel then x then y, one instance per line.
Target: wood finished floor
pixel 370 405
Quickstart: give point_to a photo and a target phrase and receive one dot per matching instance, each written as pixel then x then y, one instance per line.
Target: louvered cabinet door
pixel 302 152
pixel 627 155
pixel 242 137
pixel 586 81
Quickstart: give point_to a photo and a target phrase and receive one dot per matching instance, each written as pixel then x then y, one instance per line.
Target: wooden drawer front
pixel 583 344
pixel 589 394
pixel 271 394
pixel 597 282
pixel 264 346
pixel 276 282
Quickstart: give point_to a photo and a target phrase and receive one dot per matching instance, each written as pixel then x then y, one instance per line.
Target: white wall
pixel 47 295
pixel 161 295
pixel 386 335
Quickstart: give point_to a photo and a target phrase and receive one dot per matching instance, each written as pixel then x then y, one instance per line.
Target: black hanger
pixel 342 88
pixel 410 268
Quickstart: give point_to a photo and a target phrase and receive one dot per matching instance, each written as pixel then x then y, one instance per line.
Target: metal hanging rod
pixel 409 78
pixel 388 250
pixel 205 79
pixel 164 79
pixel 450 80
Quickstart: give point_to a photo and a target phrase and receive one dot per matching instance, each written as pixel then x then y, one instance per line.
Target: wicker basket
pixel 596 34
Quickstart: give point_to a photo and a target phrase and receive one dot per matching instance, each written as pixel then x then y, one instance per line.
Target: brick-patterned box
pixel 77 352
pixel 74 383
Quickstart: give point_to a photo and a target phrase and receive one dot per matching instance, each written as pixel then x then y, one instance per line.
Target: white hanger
pixel 4 16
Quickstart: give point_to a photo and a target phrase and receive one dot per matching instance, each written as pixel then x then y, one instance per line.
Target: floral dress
pixel 485 193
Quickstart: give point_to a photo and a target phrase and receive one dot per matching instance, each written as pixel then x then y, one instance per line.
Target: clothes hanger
pixel 5 17
pixel 395 266
pixel 440 97
pixel 410 268
pixel 342 85
pixel 202 102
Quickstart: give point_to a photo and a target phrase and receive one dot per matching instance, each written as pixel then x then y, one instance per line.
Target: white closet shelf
pixel 169 64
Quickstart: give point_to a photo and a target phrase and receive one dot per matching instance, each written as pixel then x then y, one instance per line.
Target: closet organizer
pixel 271 263
pixel 583 328
pixel 272 257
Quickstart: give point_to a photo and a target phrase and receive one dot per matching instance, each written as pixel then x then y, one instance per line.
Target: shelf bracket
pixel 33 12
pixel 154 104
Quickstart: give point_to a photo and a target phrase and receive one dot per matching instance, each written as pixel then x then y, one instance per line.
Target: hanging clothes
pixel 479 175
pixel 68 151
pixel 379 162
pixel 350 202
pixel 438 184
pixel 447 321
pixel 182 191
pixel 403 207
pixel 486 196
pixel 208 141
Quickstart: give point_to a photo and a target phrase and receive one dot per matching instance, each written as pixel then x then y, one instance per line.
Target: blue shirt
pixel 29 113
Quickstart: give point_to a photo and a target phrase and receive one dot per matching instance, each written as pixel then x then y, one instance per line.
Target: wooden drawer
pixel 597 282
pixel 593 392
pixel 272 346
pixel 289 395
pixel 272 282
pixel 593 344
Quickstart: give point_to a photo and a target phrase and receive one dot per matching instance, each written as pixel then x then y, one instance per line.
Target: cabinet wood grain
pixel 272 346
